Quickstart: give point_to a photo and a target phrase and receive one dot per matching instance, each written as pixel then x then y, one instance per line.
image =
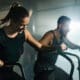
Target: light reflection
pixel 74 34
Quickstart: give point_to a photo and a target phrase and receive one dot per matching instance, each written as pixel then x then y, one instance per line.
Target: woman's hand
pixel 1 63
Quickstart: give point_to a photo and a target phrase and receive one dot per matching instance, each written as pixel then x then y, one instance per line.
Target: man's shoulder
pixel 50 32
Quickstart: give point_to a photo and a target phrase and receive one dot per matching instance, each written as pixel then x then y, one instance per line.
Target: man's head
pixel 63 25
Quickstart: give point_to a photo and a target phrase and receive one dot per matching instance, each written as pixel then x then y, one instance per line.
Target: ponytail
pixel 16 11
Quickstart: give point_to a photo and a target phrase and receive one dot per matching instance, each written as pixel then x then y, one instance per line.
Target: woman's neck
pixel 10 32
pixel 11 29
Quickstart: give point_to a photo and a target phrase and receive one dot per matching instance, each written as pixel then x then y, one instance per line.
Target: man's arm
pixel 47 39
pixel 70 44
pixel 47 42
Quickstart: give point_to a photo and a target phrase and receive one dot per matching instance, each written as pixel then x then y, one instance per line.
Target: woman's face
pixel 20 25
pixel 24 22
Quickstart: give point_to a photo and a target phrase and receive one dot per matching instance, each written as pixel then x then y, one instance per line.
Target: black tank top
pixel 11 48
pixel 48 59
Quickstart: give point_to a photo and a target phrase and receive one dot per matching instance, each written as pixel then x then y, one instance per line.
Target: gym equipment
pixel 78 58
pixel 19 65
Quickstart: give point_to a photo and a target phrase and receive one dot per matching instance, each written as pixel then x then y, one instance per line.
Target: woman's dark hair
pixel 16 13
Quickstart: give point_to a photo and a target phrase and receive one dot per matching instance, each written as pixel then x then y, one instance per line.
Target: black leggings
pixel 9 74
pixel 56 74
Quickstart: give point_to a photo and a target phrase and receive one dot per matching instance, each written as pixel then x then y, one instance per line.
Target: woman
pixel 12 37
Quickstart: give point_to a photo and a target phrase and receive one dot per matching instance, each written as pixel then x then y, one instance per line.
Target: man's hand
pixel 1 63
pixel 63 46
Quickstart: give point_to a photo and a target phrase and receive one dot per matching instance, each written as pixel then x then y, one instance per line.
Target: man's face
pixel 65 28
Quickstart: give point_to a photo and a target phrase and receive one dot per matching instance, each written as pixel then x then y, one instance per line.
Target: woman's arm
pixel 1 63
pixel 1 52
pixel 33 41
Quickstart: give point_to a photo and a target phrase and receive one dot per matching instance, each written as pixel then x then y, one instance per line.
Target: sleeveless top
pixel 47 59
pixel 11 48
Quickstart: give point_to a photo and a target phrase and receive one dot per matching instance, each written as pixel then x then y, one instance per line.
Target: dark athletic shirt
pixel 47 59
pixel 11 48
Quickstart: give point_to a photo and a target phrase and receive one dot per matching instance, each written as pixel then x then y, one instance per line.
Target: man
pixel 54 41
